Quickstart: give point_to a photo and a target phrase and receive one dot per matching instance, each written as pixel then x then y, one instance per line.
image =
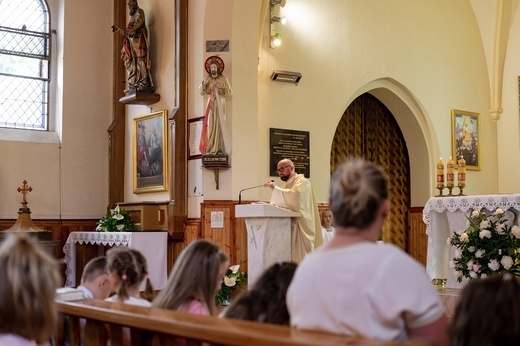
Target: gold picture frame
pixel 150 152
pixel 466 138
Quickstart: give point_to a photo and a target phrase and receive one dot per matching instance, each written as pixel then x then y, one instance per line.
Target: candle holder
pixel 450 190
pixel 439 283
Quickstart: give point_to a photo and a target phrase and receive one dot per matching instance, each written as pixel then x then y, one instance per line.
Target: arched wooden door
pixel 367 129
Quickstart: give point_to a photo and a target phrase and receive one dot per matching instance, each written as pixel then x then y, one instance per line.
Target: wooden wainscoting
pixel 232 238
pixel 60 231
pixel 417 238
pixel 175 247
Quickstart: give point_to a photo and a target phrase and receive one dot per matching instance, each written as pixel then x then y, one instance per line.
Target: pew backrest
pixel 99 320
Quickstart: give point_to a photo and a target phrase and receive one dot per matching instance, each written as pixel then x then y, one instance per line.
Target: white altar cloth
pixel 445 215
pixel 152 245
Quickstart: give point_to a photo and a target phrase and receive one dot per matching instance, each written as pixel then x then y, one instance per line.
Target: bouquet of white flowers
pixel 119 220
pixel 489 245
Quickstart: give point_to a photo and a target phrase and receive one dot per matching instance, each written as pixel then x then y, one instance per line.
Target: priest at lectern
pixel 297 195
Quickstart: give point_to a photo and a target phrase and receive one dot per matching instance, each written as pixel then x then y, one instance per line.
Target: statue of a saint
pixel 214 137
pixel 136 50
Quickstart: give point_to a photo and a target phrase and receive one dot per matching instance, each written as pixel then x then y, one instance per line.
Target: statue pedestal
pixel 140 98
pixel 268 236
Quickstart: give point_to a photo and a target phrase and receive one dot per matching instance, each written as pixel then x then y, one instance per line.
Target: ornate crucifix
pixel 24 190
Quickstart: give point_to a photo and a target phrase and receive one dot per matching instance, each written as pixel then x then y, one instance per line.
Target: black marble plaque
pixel 290 144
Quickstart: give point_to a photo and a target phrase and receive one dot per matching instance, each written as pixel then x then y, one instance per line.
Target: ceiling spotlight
pixel 281 20
pixel 278 2
pixel 276 41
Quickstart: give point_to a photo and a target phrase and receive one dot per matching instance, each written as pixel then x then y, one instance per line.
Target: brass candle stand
pixel 450 190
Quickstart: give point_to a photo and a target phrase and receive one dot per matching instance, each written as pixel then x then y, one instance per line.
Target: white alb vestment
pixel 327 234
pixel 306 229
pixel 367 290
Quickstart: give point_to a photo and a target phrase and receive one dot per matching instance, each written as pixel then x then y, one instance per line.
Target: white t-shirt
pixel 368 290
pixel 130 300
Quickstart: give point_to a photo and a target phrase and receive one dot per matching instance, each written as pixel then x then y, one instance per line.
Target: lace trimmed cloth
pixel 445 215
pixel 151 244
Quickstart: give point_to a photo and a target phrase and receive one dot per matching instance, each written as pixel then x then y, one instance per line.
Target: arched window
pixel 25 61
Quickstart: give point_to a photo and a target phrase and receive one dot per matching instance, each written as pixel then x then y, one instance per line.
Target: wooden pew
pixel 154 326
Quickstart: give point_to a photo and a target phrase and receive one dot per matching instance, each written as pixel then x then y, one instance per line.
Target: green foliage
pixel 119 220
pixel 232 280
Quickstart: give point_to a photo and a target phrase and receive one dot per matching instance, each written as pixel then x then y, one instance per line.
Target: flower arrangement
pixel 489 245
pixel 119 220
pixel 232 280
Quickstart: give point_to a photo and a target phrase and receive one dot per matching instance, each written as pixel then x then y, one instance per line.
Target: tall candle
pixel 450 175
pixel 440 173
pixel 461 178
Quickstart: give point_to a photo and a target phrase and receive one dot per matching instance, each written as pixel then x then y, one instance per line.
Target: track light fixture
pixel 276 39
pixel 278 2
pixel 281 20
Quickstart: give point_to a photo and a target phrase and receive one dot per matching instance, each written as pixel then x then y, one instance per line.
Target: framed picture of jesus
pixel 466 138
pixel 150 152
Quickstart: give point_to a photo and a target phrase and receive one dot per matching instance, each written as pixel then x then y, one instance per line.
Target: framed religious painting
pixel 150 152
pixel 466 138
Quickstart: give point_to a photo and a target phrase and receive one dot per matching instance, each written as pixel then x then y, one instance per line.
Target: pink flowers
pixel 490 244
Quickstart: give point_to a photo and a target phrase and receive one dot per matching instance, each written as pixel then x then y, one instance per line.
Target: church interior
pixel 383 80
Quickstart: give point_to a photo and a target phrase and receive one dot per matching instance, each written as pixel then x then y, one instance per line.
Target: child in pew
pixel 265 300
pixel 194 279
pixel 94 280
pixel 127 269
pixel 351 285
pixel 28 281
pixel 327 229
pixel 487 313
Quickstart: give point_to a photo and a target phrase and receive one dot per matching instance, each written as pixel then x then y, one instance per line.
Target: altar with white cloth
pixel 445 215
pixel 152 245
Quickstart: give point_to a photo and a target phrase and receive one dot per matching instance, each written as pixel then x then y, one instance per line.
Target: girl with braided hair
pixel 127 269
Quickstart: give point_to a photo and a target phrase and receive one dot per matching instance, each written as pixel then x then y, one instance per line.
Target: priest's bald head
pixel 285 169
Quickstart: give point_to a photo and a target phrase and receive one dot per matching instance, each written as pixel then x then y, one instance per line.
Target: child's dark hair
pixel 129 265
pixel 265 300
pixel 487 313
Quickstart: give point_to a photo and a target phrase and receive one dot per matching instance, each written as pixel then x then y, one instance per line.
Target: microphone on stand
pixel 249 188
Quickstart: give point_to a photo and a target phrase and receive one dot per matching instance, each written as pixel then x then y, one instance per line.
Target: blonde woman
pixel 353 286
pixel 194 279
pixel 28 281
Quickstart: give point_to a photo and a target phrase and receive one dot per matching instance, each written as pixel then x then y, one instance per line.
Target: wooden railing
pixel 152 326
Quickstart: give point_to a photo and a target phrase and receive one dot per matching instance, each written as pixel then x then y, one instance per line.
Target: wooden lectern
pixel 268 236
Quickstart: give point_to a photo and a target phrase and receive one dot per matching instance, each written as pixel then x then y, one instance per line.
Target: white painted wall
pixel 421 58
pixel 69 178
pixel 434 53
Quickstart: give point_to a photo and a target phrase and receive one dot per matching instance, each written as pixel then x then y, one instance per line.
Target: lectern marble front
pixel 268 236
